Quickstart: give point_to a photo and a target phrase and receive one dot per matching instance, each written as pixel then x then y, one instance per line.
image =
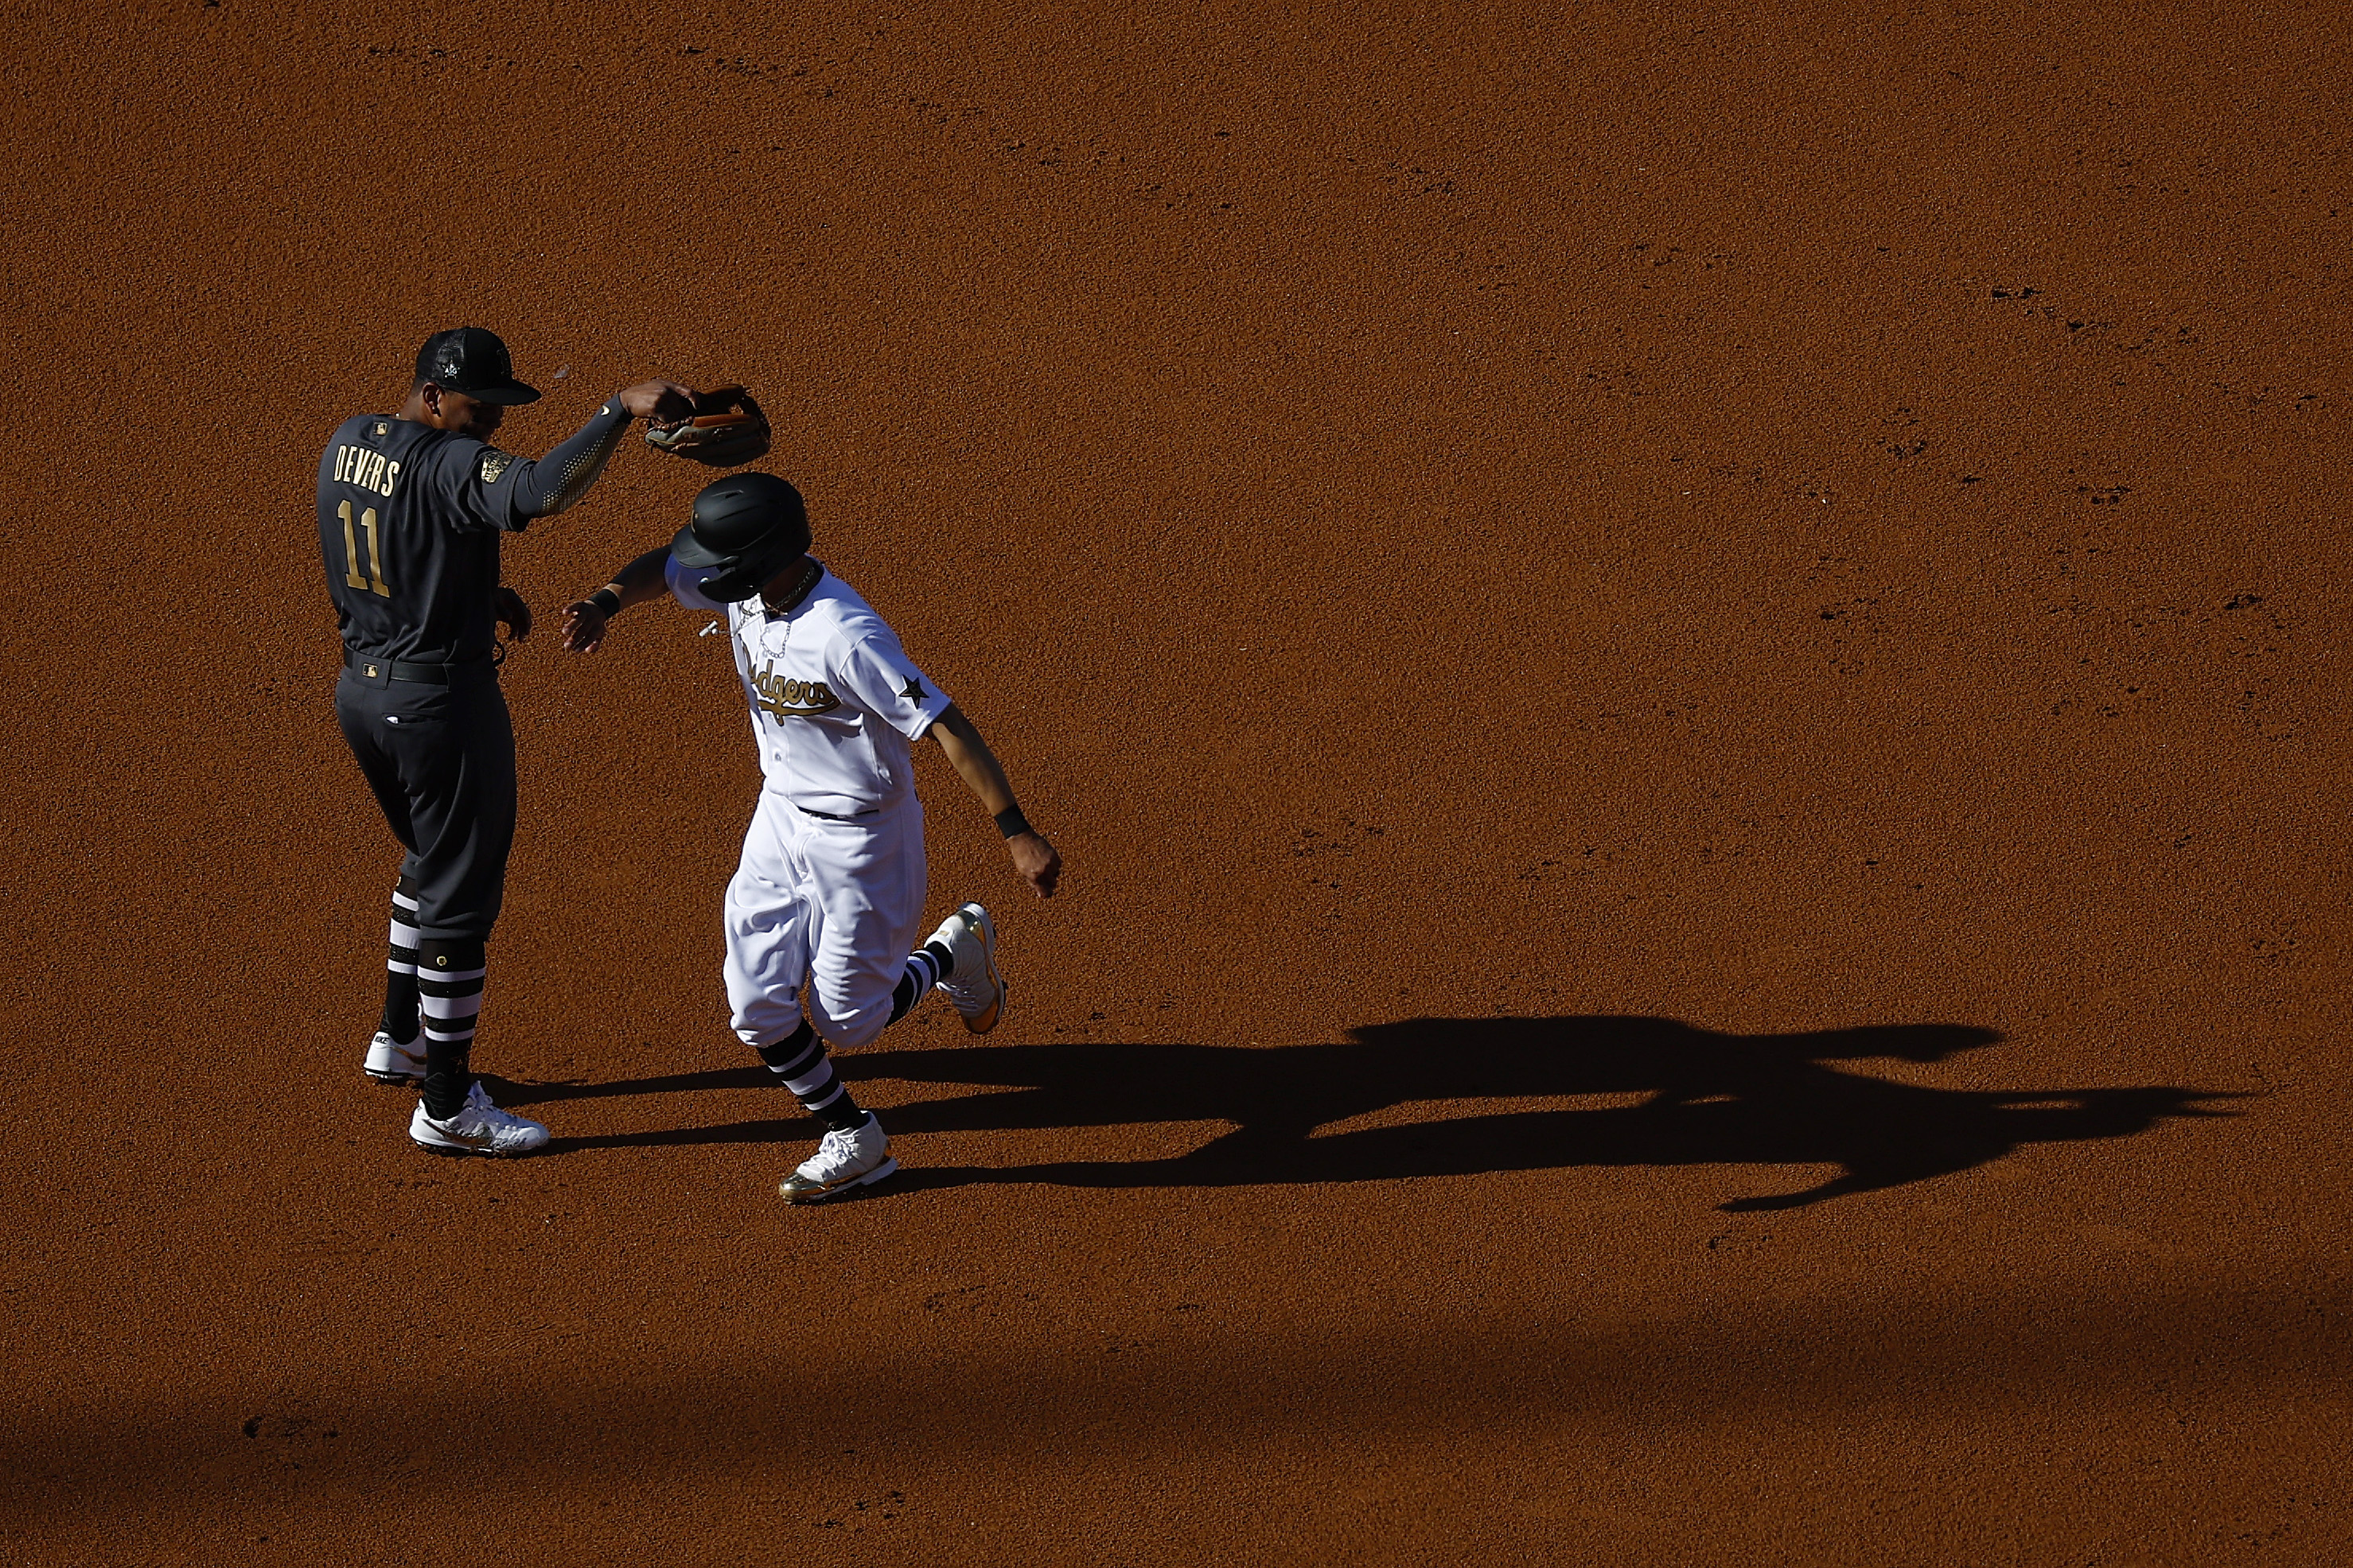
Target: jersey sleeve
pixel 685 583
pixel 554 482
pixel 476 484
pixel 874 670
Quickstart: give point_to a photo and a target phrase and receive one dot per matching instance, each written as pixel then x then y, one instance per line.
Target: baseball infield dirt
pixel 1689 659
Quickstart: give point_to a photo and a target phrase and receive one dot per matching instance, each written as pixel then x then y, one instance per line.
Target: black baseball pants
pixel 441 762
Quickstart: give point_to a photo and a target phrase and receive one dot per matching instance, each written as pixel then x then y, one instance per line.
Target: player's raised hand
pixel 1039 864
pixel 657 400
pixel 513 614
pixel 584 628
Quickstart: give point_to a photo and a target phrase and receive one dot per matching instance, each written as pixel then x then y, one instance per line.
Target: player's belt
pixel 829 816
pixel 403 669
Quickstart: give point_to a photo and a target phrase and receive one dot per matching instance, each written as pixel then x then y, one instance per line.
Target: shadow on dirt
pixel 1687 1097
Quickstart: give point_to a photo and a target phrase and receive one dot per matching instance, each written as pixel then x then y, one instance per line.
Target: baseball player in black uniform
pixel 411 509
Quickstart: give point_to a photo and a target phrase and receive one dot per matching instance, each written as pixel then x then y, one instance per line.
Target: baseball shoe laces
pixel 843 1160
pixel 477 1128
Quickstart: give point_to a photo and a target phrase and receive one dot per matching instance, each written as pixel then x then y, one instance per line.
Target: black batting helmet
pixel 746 528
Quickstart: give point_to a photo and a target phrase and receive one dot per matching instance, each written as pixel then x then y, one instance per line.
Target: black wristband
pixel 1011 823
pixel 608 603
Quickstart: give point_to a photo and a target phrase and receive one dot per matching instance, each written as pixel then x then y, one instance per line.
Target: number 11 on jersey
pixel 374 579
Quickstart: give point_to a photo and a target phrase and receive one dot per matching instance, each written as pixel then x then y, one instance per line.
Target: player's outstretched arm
pixel 584 619
pixel 1033 857
pixel 555 482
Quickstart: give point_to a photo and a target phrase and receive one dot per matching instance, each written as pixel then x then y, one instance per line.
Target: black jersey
pixel 409 522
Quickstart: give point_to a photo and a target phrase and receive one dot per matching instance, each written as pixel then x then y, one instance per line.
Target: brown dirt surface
pixel 1683 656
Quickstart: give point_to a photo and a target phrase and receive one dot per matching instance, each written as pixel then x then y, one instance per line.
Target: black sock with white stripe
pixel 400 1019
pixel 798 1063
pixel 450 996
pixel 927 967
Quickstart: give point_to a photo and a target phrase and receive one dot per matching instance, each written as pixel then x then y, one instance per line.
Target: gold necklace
pixel 808 581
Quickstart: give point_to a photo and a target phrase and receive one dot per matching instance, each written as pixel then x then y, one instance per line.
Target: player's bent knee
pixel 847 1023
pixel 765 1021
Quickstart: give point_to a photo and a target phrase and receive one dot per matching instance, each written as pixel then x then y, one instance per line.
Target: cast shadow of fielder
pixel 1703 1098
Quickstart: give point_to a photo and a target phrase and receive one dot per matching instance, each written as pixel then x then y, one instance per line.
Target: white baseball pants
pixel 838 904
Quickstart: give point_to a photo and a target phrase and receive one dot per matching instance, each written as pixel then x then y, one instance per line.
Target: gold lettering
pixel 352 578
pixel 391 477
pixel 375 554
pixel 791 698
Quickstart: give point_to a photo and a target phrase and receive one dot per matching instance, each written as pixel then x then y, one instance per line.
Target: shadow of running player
pixel 1703 1098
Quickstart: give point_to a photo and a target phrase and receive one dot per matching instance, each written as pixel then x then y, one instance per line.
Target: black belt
pixel 829 816
pixel 401 669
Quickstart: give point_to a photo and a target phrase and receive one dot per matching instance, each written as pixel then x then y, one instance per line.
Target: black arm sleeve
pixel 563 476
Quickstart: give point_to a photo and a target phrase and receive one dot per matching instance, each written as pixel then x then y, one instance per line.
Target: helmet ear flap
pixel 730 587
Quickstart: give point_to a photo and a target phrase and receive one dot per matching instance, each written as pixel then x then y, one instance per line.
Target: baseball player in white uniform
pixel 830 891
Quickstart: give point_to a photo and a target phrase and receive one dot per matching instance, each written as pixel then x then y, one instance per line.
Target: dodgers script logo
pixel 793 699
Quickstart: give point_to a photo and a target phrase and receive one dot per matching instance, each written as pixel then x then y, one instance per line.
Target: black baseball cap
pixel 474 361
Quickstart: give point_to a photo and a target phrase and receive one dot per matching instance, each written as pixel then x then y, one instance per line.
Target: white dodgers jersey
pixel 835 701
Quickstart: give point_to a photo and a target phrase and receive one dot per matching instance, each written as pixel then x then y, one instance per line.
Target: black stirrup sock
pixel 799 1061
pixel 449 999
pixel 400 1020
pixel 927 967
pixel 794 1055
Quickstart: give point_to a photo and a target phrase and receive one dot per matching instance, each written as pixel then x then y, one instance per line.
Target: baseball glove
pixel 726 428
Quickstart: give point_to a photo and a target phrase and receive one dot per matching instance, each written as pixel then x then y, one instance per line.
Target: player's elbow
pixel 536 503
pixel 543 492
pixel 950 727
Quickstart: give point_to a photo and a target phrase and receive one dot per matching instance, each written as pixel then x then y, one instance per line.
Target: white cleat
pixel 389 1061
pixel 479 1128
pixel 843 1161
pixel 978 987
